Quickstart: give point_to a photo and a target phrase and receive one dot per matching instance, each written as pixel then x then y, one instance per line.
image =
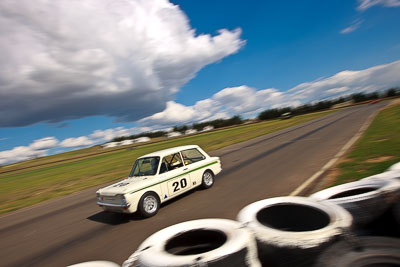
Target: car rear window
pixel 192 155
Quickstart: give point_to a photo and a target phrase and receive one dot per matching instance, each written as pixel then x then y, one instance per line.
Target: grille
pixel 111 199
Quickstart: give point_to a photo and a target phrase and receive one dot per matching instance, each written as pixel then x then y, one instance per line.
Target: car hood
pixel 125 186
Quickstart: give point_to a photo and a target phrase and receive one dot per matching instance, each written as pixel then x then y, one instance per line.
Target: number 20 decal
pixel 182 183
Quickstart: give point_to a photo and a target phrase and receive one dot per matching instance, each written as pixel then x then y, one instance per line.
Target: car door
pixel 175 176
pixel 194 161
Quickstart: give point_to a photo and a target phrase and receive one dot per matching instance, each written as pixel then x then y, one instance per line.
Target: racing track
pixel 73 229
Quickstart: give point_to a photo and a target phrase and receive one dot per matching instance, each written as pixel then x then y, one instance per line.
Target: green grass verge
pixel 24 188
pixel 376 150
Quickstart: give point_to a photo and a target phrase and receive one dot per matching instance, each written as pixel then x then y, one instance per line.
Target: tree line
pixel 326 104
pixel 219 123
pixel 135 136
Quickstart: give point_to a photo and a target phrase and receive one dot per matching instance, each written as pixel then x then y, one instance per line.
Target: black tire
pixel 396 214
pixel 292 231
pixel 362 251
pixel 144 206
pixel 206 242
pixel 207 180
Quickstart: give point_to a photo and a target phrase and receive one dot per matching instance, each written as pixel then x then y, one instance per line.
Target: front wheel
pixel 207 180
pixel 149 205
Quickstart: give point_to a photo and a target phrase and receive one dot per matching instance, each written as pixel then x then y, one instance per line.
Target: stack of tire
pixel 367 199
pixel 272 232
pixel 374 203
pixel 332 227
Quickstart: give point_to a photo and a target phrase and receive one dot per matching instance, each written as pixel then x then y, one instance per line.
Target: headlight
pixel 98 196
pixel 123 200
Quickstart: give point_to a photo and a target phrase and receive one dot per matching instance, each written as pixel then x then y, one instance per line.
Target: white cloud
pixel 244 100
pixel 337 90
pixel 241 100
pixel 44 143
pixel 368 80
pixel 123 58
pixel 101 136
pixel 354 26
pixel 173 113
pixel 41 147
pixel 20 153
pixel 106 135
pixel 226 103
pixel 37 148
pixel 76 142
pixel 365 4
pixel 176 113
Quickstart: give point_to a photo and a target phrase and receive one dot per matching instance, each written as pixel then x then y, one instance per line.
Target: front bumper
pixel 118 208
pixel 103 204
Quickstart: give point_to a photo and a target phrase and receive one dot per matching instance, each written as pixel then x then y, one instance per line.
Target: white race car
pixel 158 177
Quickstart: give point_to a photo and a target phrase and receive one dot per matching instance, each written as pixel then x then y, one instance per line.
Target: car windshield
pixel 145 166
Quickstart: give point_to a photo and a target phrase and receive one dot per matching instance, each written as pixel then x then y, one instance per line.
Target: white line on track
pixel 331 162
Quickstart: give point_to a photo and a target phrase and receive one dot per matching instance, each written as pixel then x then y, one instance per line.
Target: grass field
pixel 24 187
pixel 376 150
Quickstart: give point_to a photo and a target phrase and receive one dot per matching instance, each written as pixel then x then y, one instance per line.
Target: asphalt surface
pixel 73 229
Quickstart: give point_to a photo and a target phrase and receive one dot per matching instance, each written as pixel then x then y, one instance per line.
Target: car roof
pixel 168 151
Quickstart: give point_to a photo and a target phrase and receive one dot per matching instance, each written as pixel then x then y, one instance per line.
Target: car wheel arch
pixel 209 170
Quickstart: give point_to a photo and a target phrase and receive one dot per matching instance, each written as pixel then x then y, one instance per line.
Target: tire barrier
pixel 390 174
pixel 396 212
pixel 365 199
pixel 384 225
pixel 395 167
pixel 293 230
pixel 95 264
pixel 362 251
pixel 396 215
pixel 206 242
pixel 286 231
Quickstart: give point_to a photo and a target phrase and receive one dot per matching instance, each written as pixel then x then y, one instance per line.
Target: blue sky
pixel 291 42
pixel 73 78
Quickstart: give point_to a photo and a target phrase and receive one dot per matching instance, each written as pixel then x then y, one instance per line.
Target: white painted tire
pixel 390 174
pixel 395 167
pixel 293 230
pixel 95 264
pixel 365 199
pixel 206 242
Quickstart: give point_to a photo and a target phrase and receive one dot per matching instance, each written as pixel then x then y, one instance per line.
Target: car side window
pixel 192 155
pixel 163 167
pixel 171 162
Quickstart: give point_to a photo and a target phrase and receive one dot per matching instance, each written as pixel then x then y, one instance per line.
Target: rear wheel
pixel 207 180
pixel 149 204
